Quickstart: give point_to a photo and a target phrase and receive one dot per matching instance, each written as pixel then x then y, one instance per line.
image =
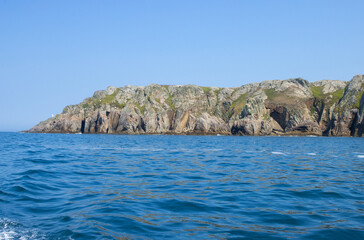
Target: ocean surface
pixel 69 186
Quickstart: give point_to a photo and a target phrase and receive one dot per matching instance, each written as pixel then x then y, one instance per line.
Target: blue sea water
pixel 67 186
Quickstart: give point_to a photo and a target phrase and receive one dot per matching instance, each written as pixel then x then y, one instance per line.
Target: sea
pixel 84 186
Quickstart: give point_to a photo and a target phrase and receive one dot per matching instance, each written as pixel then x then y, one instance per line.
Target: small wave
pixel 32 172
pixel 360 156
pixel 278 153
pixel 311 154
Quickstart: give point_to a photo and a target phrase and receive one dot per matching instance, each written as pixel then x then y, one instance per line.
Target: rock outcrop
pixel 278 107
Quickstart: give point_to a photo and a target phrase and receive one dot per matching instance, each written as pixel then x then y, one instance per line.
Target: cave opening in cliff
pixel 353 125
pixel 83 123
pixel 279 115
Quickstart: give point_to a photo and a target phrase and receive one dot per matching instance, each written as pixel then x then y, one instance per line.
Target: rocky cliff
pixel 278 107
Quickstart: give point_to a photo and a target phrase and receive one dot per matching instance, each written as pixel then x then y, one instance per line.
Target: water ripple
pixel 64 186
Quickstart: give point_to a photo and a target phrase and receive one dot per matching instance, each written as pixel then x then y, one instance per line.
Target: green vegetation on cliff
pixel 271 93
pixel 329 98
pixel 170 103
pixel 357 103
pixel 107 100
pixel 141 108
pixel 317 91
pixel 206 90
pixel 217 92
pixel 238 104
pixel 110 98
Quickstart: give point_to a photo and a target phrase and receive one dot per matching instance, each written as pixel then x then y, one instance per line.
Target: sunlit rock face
pixel 277 107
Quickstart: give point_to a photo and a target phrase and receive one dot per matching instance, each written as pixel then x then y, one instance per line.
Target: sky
pixel 56 53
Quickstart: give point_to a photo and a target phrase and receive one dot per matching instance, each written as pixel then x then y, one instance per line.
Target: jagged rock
pixel 130 122
pixel 359 124
pixel 292 106
pixel 253 107
pixel 250 126
pixel 211 124
pixel 346 120
pixel 353 93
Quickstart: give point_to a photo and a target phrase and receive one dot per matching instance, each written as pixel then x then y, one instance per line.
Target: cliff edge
pixel 277 107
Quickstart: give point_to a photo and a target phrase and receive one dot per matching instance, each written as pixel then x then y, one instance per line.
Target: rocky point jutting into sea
pixel 277 107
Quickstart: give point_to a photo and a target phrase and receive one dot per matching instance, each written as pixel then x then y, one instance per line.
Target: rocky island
pixel 277 107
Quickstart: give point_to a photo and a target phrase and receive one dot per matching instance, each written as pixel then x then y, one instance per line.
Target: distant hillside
pixel 278 107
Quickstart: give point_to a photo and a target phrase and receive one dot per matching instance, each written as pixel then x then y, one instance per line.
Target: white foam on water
pixel 311 154
pixel 10 230
pixel 278 153
pixel 360 156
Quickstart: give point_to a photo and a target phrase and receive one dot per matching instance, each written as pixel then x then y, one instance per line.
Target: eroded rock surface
pixel 278 107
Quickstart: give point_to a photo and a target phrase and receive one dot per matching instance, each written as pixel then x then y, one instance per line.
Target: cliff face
pixel 288 107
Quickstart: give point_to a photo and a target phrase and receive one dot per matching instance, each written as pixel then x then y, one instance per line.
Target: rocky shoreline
pixel 277 107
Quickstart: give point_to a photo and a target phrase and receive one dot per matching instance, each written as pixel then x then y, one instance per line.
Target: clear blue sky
pixel 55 53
